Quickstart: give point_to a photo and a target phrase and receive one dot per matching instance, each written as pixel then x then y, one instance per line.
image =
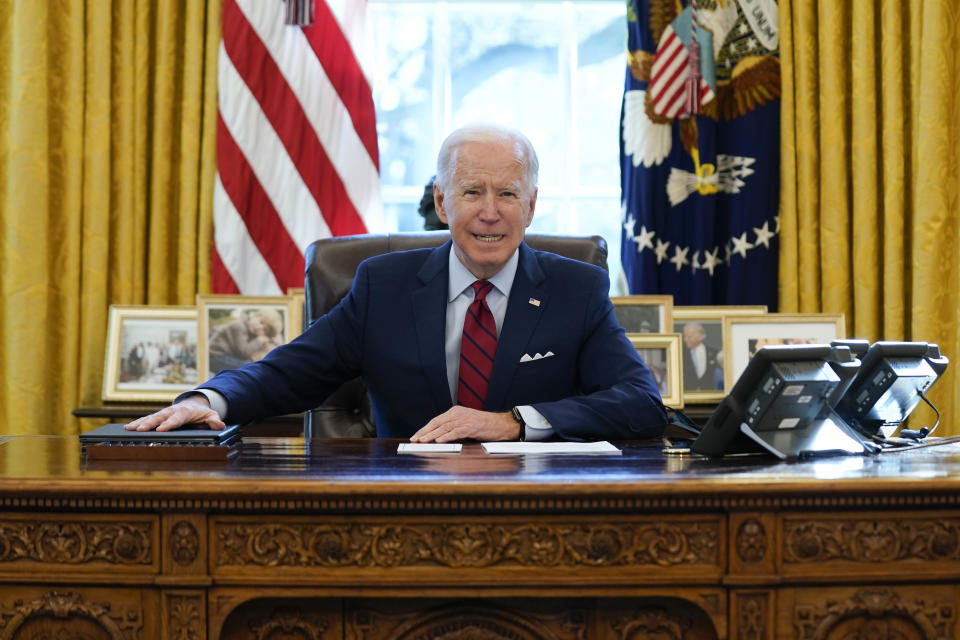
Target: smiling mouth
pixel 488 238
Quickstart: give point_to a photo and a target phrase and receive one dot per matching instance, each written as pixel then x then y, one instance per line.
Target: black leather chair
pixel 331 264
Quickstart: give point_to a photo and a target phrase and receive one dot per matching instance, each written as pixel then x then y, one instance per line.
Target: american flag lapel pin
pixel 534 302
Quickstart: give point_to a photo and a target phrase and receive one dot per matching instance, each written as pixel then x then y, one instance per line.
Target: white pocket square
pixel 537 356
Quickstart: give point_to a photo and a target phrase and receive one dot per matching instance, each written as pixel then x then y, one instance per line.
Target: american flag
pixel 297 155
pixel 668 83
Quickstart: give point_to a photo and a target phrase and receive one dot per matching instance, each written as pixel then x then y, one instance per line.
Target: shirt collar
pixel 461 278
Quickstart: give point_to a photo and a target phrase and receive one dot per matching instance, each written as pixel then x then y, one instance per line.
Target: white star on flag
pixel 741 245
pixel 644 239
pixel 763 235
pixel 680 257
pixel 711 260
pixel 661 250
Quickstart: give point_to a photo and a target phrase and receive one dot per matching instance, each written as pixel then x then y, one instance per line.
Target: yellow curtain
pixel 107 117
pixel 871 172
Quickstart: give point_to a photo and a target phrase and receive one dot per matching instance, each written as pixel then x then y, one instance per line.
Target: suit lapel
pixel 518 325
pixel 430 313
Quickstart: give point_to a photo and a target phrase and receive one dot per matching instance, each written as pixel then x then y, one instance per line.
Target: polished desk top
pixel 37 468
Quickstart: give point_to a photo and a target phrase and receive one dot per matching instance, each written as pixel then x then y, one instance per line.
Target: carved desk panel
pixel 479 549
pixel 346 539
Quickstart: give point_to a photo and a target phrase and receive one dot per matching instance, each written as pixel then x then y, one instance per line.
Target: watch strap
pixel 523 425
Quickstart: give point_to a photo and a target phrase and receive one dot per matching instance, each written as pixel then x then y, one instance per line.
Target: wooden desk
pixel 345 539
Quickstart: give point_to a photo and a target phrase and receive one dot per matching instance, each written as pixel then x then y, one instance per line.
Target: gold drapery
pixel 871 172
pixel 108 120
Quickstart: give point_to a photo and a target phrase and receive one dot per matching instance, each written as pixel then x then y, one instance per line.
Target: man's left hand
pixel 461 423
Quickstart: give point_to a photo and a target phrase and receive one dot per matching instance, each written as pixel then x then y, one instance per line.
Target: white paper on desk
pixel 429 447
pixel 602 447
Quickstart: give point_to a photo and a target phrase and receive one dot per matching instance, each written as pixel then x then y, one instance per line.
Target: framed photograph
pixel 743 335
pixel 235 330
pixel 644 314
pixel 151 353
pixel 702 348
pixel 299 296
pixel 661 353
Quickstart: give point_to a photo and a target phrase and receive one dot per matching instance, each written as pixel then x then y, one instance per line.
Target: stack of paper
pixel 428 447
pixel 602 447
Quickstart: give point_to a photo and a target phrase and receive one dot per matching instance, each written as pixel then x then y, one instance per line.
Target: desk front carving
pixel 123 544
pixel 871 540
pixel 348 540
pixel 455 544
pixel 93 613
pixel 906 614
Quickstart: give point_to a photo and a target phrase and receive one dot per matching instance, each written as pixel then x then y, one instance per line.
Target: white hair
pixel 446 162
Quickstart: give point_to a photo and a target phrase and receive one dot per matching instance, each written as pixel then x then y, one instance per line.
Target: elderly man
pixel 482 338
pixel 702 363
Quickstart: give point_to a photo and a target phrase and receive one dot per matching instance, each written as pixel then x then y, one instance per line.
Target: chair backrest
pixel 331 264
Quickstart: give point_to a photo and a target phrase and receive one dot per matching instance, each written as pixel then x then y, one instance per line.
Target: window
pixel 554 70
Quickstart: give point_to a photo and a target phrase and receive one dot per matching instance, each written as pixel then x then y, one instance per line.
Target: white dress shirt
pixel 699 356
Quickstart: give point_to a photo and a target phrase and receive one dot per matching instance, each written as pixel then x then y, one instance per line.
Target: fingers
pixel 461 423
pixel 441 426
pixel 150 422
pixel 429 431
pixel 133 424
pixel 177 415
pixel 450 433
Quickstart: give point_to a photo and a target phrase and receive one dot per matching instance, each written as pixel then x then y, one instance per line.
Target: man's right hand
pixel 192 410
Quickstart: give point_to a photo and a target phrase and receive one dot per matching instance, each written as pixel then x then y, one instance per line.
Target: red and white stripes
pixel 297 152
pixel 673 83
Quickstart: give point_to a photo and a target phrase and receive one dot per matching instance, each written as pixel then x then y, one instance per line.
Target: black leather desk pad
pixel 115 433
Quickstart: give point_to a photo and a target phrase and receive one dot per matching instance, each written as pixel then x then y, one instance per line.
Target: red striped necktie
pixel 477 349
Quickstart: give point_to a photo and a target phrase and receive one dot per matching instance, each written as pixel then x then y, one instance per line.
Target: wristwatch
pixel 523 425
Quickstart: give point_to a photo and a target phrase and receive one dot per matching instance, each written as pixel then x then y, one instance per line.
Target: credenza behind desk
pixel 345 539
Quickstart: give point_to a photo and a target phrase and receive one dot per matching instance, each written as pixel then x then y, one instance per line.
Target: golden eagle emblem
pixel 731 47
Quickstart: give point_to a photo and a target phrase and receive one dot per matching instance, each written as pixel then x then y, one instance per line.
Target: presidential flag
pixel 699 151
pixel 297 155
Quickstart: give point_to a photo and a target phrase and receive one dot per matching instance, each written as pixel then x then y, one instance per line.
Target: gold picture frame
pixel 661 353
pixel 299 296
pixel 151 353
pixel 709 386
pixel 742 335
pixel 236 329
pixel 644 313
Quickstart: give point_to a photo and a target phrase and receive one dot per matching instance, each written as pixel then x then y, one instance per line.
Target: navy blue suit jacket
pixel 389 329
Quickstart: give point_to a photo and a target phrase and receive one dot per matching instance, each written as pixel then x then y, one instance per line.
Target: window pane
pixel 553 70
pixel 599 90
pixel 504 67
pixel 547 216
pixel 405 214
pixel 403 90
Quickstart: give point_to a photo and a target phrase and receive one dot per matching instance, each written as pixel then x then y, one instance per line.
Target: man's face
pixel 692 335
pixel 488 205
